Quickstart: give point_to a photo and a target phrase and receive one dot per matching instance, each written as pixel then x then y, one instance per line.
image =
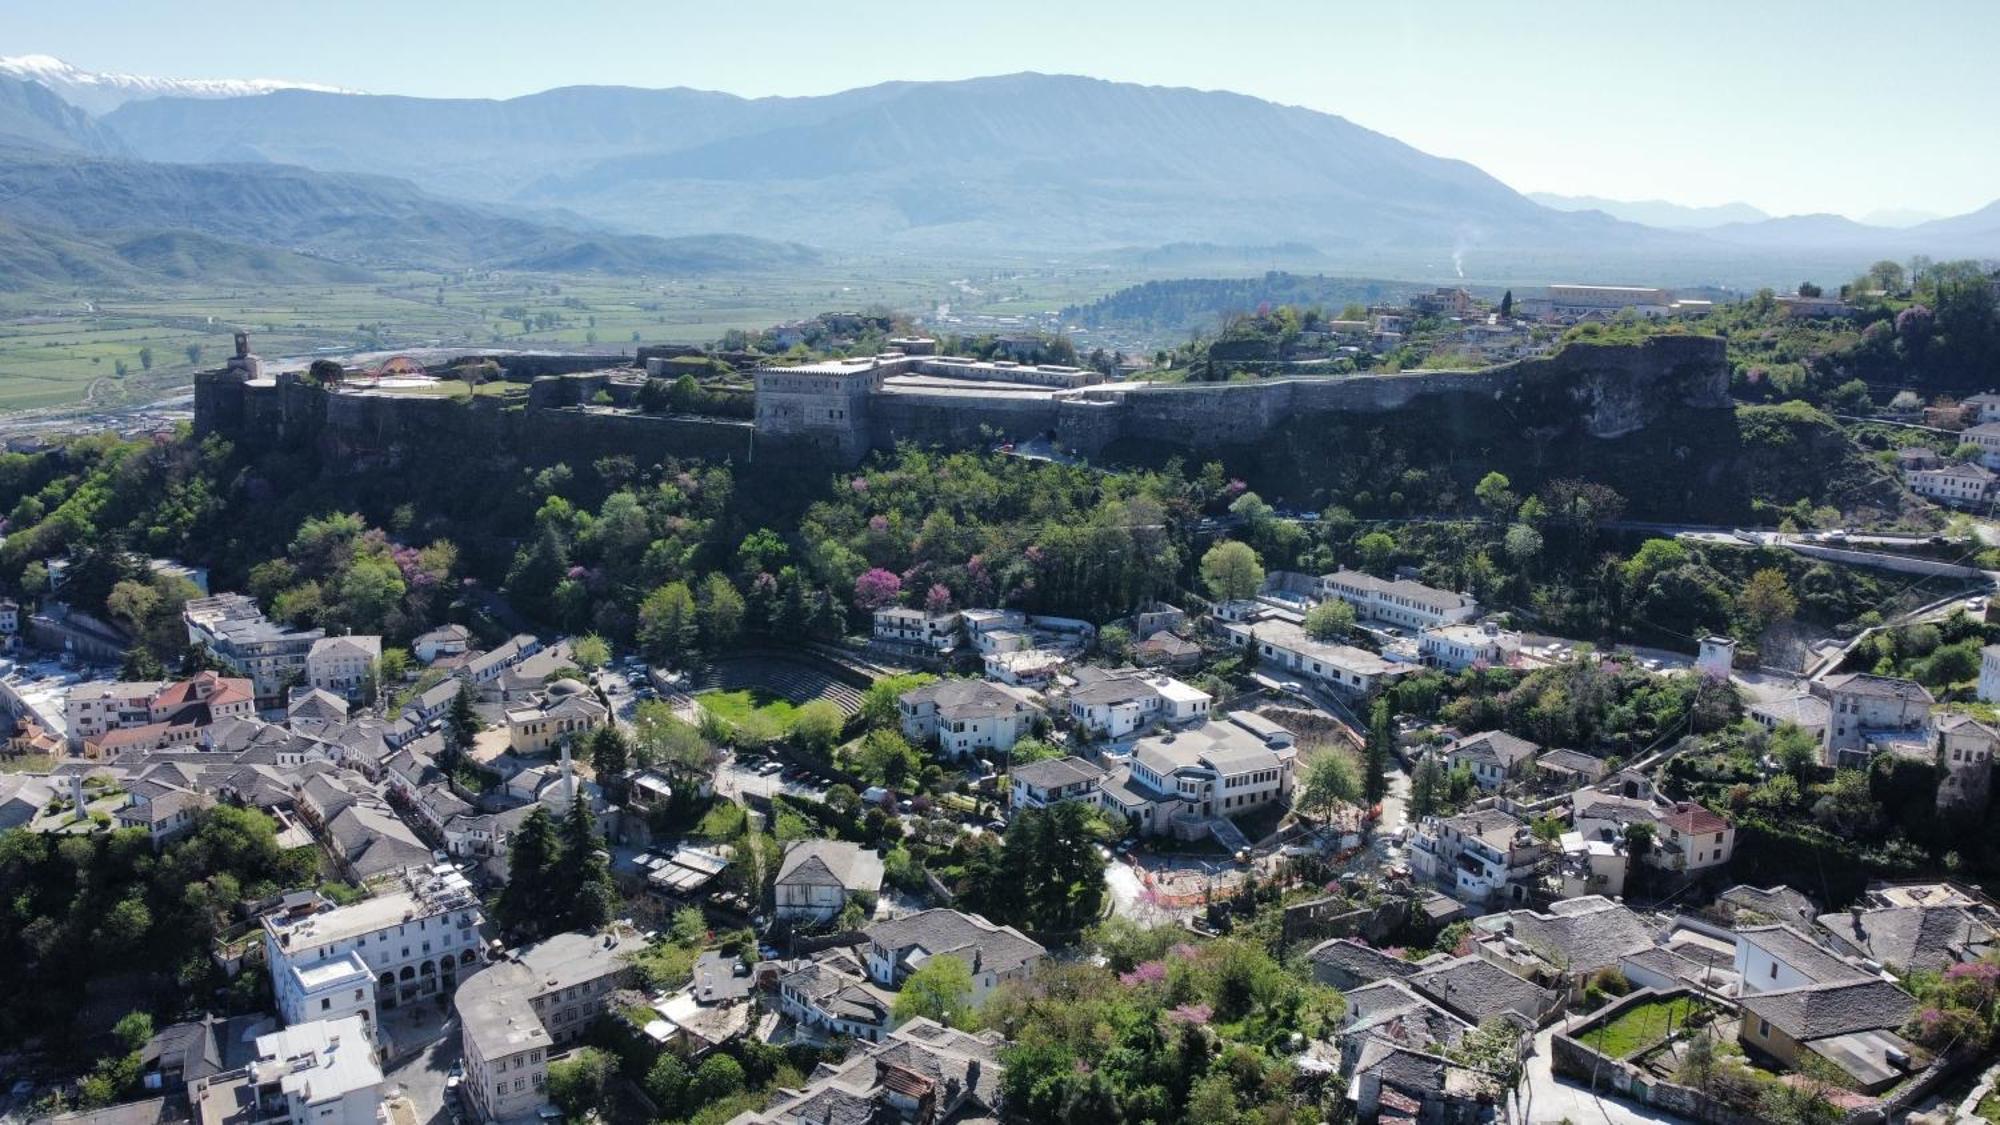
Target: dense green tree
pixel 1330 620
pixel 1232 571
pixel 941 990
pixel 526 903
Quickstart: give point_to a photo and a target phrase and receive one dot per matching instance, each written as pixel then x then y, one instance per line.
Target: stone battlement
pixel 836 412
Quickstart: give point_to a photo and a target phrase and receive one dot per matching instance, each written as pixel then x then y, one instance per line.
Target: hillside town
pixel 994 784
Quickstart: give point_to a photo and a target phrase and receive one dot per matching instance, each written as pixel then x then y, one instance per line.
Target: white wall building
pixel 345 666
pixel 1458 647
pixel 966 717
pixel 934 633
pixel 417 941
pixel 325 1072
pixel 1397 601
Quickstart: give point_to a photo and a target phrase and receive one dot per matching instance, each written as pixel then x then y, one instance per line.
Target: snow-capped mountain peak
pixel 101 93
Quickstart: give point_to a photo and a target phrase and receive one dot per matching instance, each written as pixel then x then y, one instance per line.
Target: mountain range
pixel 1654 212
pixel 577 177
pixel 100 93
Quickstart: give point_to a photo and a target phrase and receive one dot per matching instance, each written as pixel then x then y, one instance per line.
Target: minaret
pixel 569 776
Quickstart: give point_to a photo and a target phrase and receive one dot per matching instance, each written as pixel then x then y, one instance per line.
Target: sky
pixel 1794 107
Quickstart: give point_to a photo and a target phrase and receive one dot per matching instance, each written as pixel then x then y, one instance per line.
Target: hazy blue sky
pixel 1830 105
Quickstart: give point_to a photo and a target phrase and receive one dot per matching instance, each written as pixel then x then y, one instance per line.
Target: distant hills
pixel 33 116
pixel 369 221
pixel 1153 178
pixel 1653 212
pixel 1011 162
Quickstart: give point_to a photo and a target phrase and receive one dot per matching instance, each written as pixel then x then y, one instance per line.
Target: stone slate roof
pixel 1054 773
pixel 1359 961
pixel 1574 761
pixel 1583 934
pixel 981 944
pixel 1780 903
pixel 1475 989
pixel 1882 687
pixel 965 699
pixel 1801 953
pixel 1908 937
pixel 1815 1011
pixel 832 863
pixel 1493 745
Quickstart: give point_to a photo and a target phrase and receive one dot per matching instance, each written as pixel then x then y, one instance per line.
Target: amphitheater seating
pixel 797 680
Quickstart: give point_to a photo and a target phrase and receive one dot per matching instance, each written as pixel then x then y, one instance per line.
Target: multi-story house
pixel 965 717
pixel 918 630
pixel 820 877
pixel 416 941
pixel 238 635
pixel 541 997
pixel 107 719
pixel 1037 785
pixel 1492 756
pixel 1965 751
pixel 1481 856
pixel 325 1072
pixel 488 666
pixel 1398 601
pixel 1862 705
pixel 1961 485
pixel 1178 782
pixel 1458 647
pixel 898 947
pixel 445 640
pixel 1989 674
pixel 346 666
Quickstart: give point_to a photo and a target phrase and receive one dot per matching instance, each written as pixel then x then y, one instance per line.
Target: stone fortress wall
pixel 835 413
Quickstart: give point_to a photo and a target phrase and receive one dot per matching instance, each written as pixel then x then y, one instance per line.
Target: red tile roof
pixel 1694 819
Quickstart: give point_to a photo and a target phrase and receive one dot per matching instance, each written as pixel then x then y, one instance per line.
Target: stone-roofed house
pixel 1397 601
pixel 1394 1083
pixel 900 946
pixel 1851 1024
pixel 1393 1011
pixel 1181 781
pixel 1493 756
pixel 1477 856
pixel 445 640
pixel 518 1011
pixel 922 1073
pixel 1571 769
pixel 1775 958
pixel 487 666
pixel 315 705
pixel 832 994
pixel 1166 650
pixel 1345 963
pixel 965 717
pixel 1475 989
pixel 1037 785
pixel 1965 749
pixel 1579 936
pixel 1862 706
pixel 1909 937
pixel 1746 906
pixel 164 812
pixel 1801 709
pixel 820 877
pixel 178 1056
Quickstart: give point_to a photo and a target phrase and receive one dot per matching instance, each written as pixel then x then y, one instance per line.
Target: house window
pixel 1763 1029
pixel 1774 970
